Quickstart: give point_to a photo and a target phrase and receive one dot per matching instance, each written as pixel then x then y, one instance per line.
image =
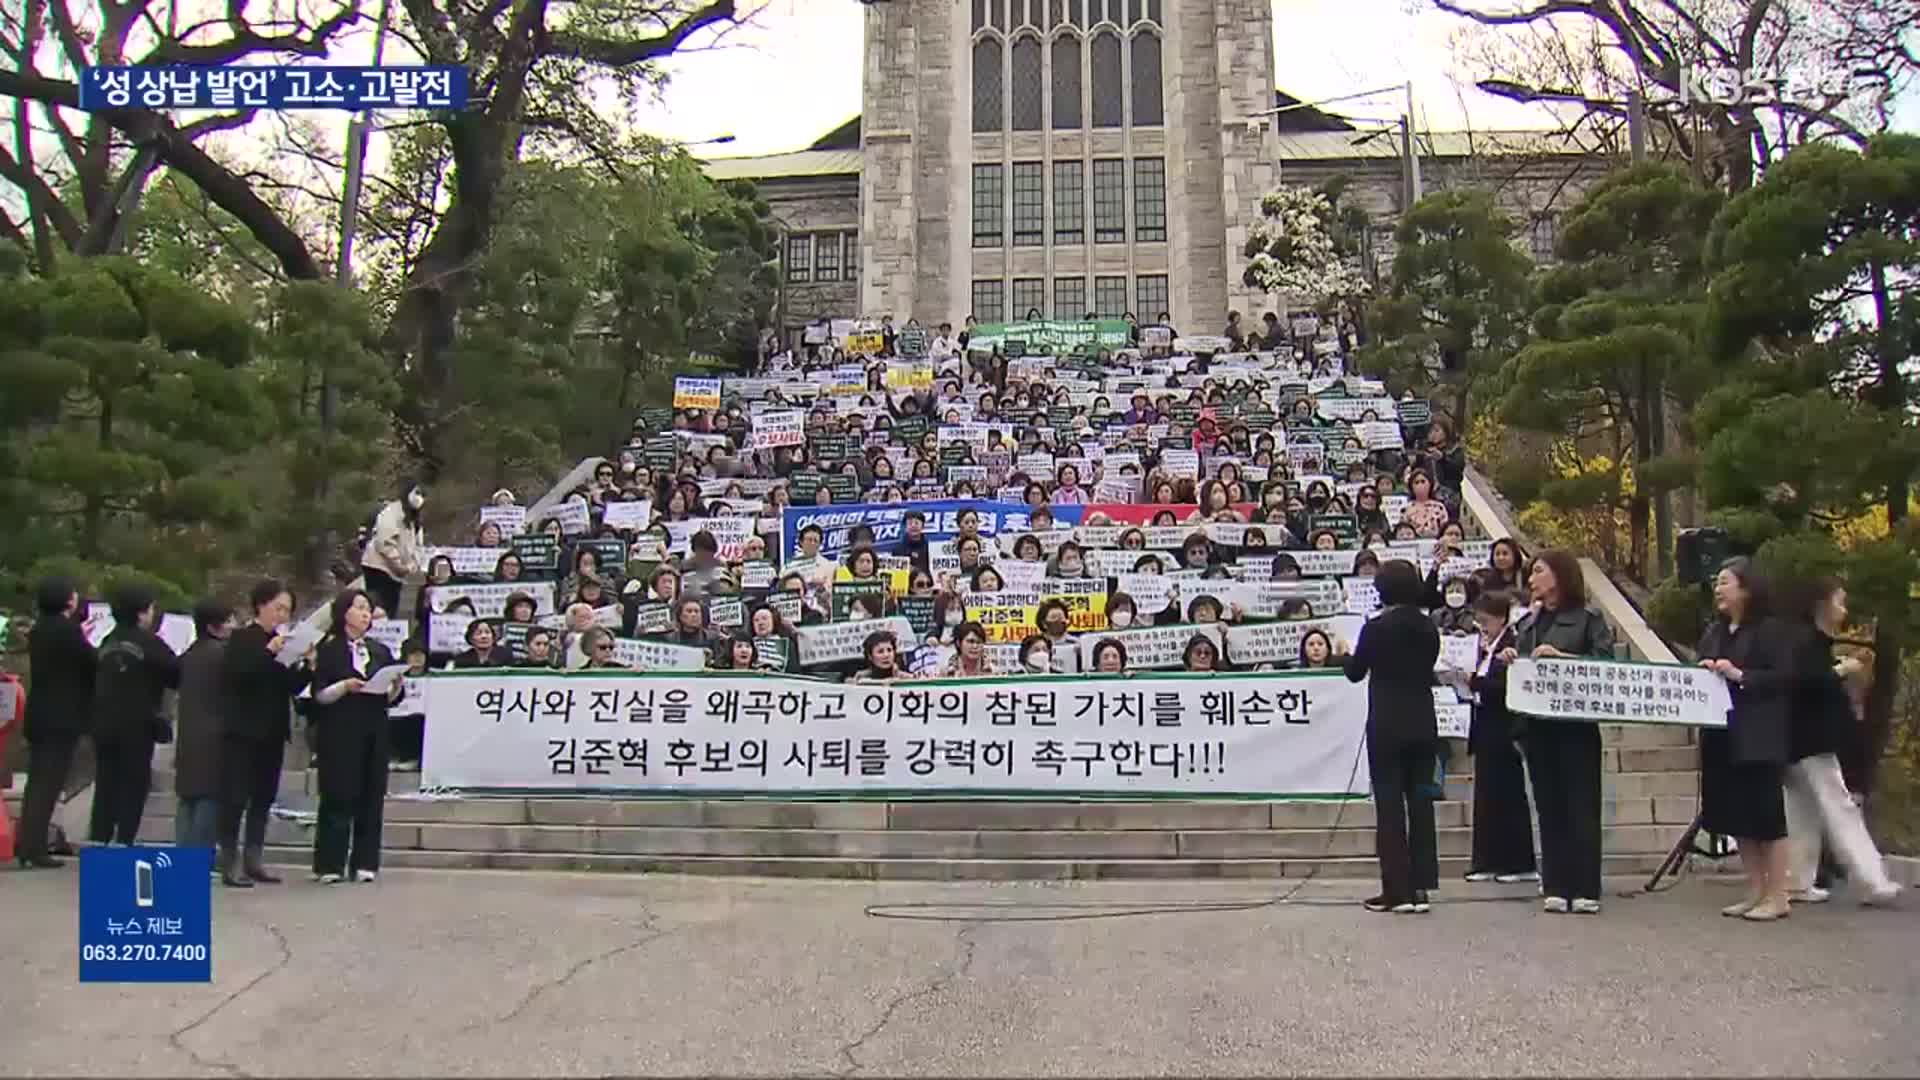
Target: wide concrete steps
pixel 928 839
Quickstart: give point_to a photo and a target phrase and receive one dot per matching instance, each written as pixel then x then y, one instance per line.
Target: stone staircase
pixel 1650 784
pixel 1649 787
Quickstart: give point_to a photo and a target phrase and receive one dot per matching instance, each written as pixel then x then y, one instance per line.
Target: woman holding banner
pixel 1563 756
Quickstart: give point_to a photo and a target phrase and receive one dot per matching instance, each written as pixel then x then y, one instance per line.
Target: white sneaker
pixel 1554 905
pixel 1812 894
pixel 1481 875
pixel 329 879
pixel 364 877
pixel 1883 896
pixel 1586 907
pixel 1509 879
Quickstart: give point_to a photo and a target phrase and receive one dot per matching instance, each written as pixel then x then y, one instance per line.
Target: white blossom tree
pixel 1291 250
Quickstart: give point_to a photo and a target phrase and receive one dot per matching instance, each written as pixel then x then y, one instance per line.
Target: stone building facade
pixel 1075 156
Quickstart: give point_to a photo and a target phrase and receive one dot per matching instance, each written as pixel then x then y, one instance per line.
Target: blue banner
pixel 888 521
pixel 146 915
pixel 185 86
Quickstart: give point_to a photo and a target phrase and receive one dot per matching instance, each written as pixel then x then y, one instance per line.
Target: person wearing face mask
pixel 395 546
pixel 1069 561
pixel 1036 656
pixel 1055 623
pixel 1455 615
pixel 1121 613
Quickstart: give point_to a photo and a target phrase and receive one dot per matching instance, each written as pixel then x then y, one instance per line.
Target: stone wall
pixel 828 205
pixel 889 123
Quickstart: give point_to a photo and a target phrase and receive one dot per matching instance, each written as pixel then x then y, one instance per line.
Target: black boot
pixel 232 874
pixel 257 867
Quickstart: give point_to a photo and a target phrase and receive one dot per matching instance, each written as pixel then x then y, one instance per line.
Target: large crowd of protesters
pixel 1012 499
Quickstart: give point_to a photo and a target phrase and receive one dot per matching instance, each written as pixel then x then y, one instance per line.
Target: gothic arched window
pixel 1148 108
pixel 1108 96
pixel 988 96
pixel 1029 86
pixel 1066 83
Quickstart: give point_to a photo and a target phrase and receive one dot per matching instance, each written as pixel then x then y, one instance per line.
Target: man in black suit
pixel 59 711
pixel 1396 652
pixel 258 692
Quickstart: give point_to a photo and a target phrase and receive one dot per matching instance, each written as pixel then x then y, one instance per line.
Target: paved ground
pixel 500 974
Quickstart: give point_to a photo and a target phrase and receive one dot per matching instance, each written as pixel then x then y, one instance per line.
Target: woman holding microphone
pixel 1563 756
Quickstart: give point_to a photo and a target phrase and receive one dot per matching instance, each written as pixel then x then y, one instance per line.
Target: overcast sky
pixel 796 74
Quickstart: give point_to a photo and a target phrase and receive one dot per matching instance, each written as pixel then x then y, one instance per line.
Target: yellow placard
pixel 865 344
pixel 1006 625
pixel 909 376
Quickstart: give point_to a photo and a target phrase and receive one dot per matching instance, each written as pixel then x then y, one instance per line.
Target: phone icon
pixel 142 883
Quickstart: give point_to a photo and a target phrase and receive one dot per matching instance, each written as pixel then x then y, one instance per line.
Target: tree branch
pixel 247 41
pixel 228 191
pixel 626 53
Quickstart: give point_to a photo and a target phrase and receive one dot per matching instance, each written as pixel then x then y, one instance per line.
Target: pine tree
pixel 1810 442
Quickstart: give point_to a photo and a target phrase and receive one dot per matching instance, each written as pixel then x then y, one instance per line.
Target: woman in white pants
pixel 1818 803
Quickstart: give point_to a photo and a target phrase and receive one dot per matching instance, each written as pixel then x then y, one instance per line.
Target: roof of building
pixel 796 163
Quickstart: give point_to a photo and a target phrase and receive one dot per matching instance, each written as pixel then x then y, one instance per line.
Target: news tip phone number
pixel 143 953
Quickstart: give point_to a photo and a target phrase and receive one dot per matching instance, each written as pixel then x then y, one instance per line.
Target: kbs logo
pixel 1730 86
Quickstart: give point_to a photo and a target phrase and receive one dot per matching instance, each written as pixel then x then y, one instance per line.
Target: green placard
pixel 803 486
pixel 513 635
pixel 1013 348
pixel 661 451
pixel 910 429
pixel 918 611
pixel 955 453
pixel 869 592
pixel 1344 527
pixel 911 341
pixel 652 617
pixel 538 552
pixel 846 489
pixel 828 447
pixel 770 652
pixel 1416 414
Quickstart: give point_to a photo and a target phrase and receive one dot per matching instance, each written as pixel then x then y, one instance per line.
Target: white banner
pixel 1272 735
pixel 490 601
pixel 785 427
pixel 470 560
pixel 1617 691
pixel 629 516
pixel 658 655
pixel 1279 642
pixel 832 643
pixel 510 518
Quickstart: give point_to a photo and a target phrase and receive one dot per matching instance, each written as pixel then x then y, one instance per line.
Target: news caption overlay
pixel 146 914
pixel 195 86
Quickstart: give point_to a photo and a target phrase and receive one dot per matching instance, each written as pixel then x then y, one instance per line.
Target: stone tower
pixel 1063 155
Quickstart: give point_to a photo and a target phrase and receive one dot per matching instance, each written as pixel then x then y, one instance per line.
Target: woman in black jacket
pixel 135 668
pixel 257 691
pixel 58 712
pixel 1398 648
pixel 1502 816
pixel 1742 768
pixel 1822 723
pixel 1563 756
pixel 353 744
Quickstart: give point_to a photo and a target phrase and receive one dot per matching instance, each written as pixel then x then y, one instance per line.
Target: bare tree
pixel 1850 60
pixel 534 66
